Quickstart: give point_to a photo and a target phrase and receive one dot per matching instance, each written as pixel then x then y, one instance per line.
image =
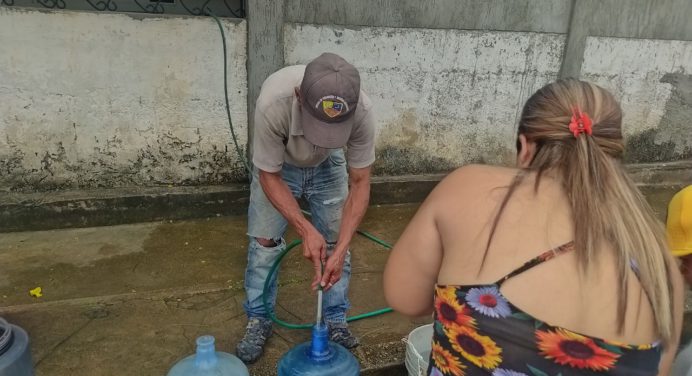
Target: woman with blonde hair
pixel 557 267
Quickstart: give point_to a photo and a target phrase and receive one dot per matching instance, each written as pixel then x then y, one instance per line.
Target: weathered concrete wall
pixel 643 19
pixel 108 100
pixel 264 57
pixel 116 100
pixel 266 20
pixel 550 16
pixel 653 80
pixel 442 97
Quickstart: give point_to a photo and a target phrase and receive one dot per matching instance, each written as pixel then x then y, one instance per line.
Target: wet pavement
pixel 131 299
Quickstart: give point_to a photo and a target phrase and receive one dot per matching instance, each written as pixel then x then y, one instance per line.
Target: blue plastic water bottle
pixel 319 357
pixel 15 355
pixel 209 362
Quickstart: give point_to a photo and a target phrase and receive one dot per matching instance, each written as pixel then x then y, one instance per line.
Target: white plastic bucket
pixel 418 347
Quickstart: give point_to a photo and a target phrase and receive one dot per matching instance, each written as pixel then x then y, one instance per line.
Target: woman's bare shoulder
pixel 470 183
pixel 479 177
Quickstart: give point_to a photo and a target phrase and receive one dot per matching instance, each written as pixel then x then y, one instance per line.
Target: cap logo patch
pixel 332 105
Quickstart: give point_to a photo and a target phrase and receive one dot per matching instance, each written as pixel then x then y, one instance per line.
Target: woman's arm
pixel 411 271
pixel 414 264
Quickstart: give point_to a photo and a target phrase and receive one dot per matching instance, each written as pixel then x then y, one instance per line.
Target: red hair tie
pixel 580 123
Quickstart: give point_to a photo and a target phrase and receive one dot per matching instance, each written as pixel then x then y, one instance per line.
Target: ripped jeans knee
pixel 267 243
pixel 262 254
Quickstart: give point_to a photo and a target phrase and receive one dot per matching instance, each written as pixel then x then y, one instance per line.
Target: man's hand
pixel 315 250
pixel 332 271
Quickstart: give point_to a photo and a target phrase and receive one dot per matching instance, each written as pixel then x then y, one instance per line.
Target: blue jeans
pixel 325 188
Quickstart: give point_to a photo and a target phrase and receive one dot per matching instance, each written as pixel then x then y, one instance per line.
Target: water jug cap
pixel 205 357
pixel 205 341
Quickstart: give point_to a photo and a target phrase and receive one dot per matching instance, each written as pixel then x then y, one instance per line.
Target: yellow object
pixel 679 224
pixel 36 293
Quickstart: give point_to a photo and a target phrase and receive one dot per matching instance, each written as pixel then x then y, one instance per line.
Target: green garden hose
pixel 285 324
pixel 294 243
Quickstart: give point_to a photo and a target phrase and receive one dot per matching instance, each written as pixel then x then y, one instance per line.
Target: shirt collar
pixel 296 126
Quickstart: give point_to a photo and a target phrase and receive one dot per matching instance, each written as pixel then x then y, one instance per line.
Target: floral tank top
pixel 477 331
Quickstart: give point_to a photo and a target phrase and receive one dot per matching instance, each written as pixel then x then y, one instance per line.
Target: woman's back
pixel 529 308
pixel 532 223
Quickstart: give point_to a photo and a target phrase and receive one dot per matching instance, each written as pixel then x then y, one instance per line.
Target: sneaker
pixel 257 332
pixel 339 333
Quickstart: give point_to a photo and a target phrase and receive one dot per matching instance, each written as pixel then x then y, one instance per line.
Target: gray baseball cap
pixel 329 95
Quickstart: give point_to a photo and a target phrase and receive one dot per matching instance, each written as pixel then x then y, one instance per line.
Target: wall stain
pixel 168 160
pixel 645 147
pixel 394 160
pixel 50 158
pixel 671 140
pixel 11 166
pixel 409 132
pixel 405 146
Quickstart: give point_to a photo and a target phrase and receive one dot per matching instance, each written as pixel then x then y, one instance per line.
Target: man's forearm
pixel 280 196
pixel 354 209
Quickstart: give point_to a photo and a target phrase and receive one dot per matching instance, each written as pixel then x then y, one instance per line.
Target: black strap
pixel 545 256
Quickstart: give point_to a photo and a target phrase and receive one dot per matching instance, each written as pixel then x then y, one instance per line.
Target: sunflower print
pixel 474 347
pixel 568 348
pixel 478 331
pixel 450 311
pixel 445 362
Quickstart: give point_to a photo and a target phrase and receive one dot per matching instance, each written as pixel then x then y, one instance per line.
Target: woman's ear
pixel 526 150
pixel 296 91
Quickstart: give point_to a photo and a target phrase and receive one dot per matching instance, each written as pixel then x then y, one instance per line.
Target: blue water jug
pixel 209 362
pixel 15 354
pixel 319 357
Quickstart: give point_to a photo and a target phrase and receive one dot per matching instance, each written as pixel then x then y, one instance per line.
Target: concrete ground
pixel 131 299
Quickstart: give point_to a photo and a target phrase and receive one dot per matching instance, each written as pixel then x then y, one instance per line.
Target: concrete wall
pixel 439 107
pixel 116 100
pixel 641 19
pixel 442 97
pixel 653 79
pixel 550 16
pixel 265 25
pixel 107 100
